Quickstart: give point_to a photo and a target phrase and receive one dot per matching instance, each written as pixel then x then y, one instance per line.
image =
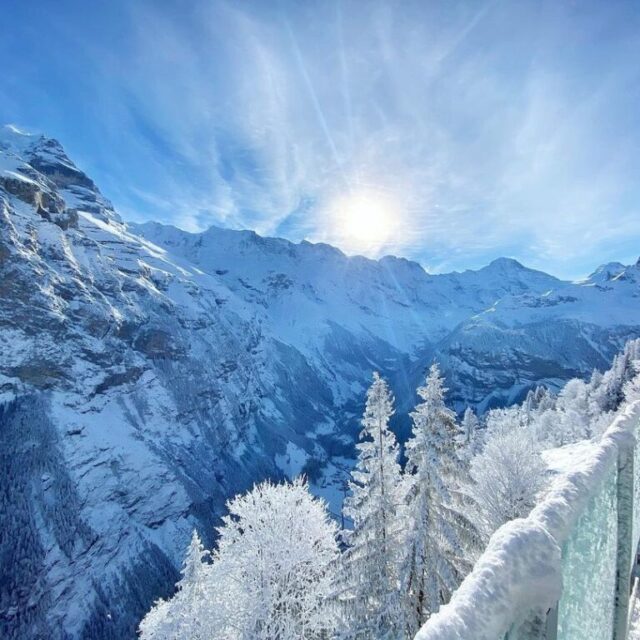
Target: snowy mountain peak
pixel 509 267
pixel 510 270
pixel 37 170
pixel 506 264
pixel 606 272
pixel 13 137
pixel 402 264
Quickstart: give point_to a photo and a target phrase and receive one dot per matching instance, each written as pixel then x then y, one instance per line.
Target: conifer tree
pixel 470 435
pixel 439 534
pixel 192 567
pixel 371 563
pixel 622 371
pixel 184 615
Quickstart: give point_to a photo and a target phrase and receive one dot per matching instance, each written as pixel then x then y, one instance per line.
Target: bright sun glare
pixel 365 221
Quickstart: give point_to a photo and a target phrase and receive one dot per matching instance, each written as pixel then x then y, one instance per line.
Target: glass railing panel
pixel 586 608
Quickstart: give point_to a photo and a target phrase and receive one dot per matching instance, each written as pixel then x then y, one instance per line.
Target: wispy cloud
pixel 495 128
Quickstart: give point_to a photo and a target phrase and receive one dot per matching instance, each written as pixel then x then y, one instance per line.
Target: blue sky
pixel 498 128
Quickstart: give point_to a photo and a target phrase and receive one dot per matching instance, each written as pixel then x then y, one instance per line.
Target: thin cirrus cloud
pixel 494 128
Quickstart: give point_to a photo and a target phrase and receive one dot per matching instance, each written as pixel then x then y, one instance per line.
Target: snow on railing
pixel 567 566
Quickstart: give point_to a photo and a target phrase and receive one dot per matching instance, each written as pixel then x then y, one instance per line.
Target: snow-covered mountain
pixel 147 374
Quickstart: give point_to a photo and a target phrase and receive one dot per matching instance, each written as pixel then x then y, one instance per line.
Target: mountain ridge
pixel 502 263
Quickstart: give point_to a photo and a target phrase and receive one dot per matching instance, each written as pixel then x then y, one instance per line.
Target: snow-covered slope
pixel 147 374
pixel 564 332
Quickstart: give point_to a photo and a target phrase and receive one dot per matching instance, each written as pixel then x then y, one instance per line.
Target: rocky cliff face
pixel 147 374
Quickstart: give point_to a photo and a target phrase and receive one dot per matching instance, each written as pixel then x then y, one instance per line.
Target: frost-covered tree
pixel 583 410
pixel 622 371
pixel 271 575
pixel 632 388
pixel 439 534
pixel 279 544
pixel 160 621
pixel 503 420
pixel 194 564
pixel 469 425
pixel 471 438
pixel 370 597
pixel 185 615
pixel 574 413
pixel 509 473
pixel 506 477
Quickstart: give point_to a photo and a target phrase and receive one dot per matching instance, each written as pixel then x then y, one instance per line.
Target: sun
pixel 364 221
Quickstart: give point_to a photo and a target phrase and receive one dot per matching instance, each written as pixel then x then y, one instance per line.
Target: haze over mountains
pixel 147 374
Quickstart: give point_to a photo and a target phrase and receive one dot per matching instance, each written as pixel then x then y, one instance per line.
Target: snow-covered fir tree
pixel 471 438
pixel 159 623
pixel 185 615
pixel 469 426
pixel 370 596
pixel 439 534
pixel 632 388
pixel 194 563
pixel 622 371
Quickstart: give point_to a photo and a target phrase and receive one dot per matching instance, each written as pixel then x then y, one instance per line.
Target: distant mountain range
pixel 147 374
